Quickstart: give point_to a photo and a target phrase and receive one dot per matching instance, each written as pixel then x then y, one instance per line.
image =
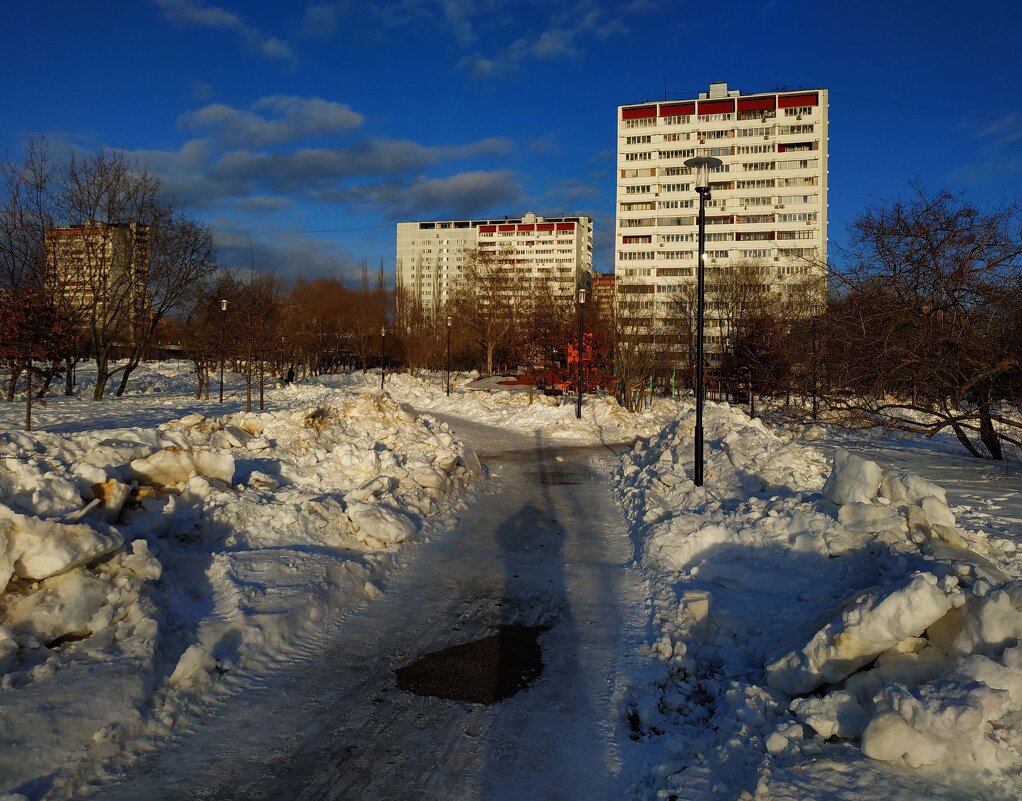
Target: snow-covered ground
pixel 829 619
pixel 827 630
pixel 141 563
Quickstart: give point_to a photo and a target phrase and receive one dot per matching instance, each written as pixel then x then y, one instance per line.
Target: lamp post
pixel 578 384
pixel 383 355
pixel 812 326
pixel 223 334
pixel 448 357
pixel 701 166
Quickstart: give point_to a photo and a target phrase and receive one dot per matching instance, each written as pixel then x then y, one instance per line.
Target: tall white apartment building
pixel 432 256
pixel 769 197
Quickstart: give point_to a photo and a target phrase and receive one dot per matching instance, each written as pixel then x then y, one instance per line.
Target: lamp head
pixel 702 166
pixel 223 305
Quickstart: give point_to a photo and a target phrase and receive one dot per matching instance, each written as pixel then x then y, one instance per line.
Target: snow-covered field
pixel 827 622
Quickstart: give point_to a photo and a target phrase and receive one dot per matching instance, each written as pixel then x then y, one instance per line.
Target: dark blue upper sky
pixel 310 128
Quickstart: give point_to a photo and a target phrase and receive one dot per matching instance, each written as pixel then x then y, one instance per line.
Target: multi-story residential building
pixel 601 302
pixel 99 268
pixel 550 251
pixel 769 197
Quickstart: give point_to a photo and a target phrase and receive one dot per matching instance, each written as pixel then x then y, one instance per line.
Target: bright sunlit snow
pixel 820 617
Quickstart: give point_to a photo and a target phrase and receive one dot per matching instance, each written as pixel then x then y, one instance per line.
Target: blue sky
pixel 309 129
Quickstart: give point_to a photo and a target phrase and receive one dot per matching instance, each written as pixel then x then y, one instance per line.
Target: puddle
pixel 558 477
pixel 485 671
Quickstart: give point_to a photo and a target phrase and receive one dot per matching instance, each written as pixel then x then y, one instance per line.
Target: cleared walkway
pixel 543 545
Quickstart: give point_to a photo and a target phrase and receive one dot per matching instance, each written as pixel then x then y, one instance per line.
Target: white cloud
pixel 565 36
pixel 465 194
pixel 322 19
pixel 288 119
pixel 194 12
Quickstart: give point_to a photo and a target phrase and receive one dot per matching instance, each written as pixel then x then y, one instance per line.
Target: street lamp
pixel 223 335
pixel 448 357
pixel 701 166
pixel 383 355
pixel 578 385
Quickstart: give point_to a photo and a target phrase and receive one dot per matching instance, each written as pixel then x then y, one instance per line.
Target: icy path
pixel 544 544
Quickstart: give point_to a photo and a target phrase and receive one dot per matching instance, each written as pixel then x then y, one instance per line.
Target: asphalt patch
pixel 485 671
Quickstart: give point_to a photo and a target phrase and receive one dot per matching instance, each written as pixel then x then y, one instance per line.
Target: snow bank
pixel 846 602
pixel 868 625
pixel 143 565
pixel 603 418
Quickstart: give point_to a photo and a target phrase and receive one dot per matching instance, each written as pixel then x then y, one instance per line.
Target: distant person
pixel 290 376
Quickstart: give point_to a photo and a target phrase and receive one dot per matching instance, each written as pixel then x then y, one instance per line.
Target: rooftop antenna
pixel 665 85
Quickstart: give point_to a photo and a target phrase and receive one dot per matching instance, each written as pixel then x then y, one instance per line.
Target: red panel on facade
pixel 505 228
pixel 677 109
pixel 756 104
pixel 526 227
pixel 565 226
pixel 791 101
pixel 716 106
pixel 487 229
pixel 545 227
pixel 638 113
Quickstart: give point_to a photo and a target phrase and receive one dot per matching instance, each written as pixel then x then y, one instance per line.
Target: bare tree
pixel 642 346
pixel 485 301
pixel 181 258
pixel 924 333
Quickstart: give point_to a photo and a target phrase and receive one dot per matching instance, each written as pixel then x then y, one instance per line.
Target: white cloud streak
pixel 195 13
pixel 287 119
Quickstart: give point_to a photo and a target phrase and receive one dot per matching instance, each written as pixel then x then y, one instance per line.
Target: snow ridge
pixel 808 615
pixel 157 567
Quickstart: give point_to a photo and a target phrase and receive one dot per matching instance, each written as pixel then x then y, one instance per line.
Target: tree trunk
pixel 101 381
pixel 988 434
pixel 12 385
pixel 132 364
pixel 962 438
pixel 69 367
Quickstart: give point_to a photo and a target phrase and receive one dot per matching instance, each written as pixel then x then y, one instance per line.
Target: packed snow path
pixel 543 545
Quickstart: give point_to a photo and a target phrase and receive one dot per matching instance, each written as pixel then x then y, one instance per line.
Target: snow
pixel 852 479
pixel 849 609
pixel 837 613
pixel 868 625
pixel 143 564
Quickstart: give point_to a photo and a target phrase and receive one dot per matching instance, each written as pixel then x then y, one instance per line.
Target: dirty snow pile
pixel 603 419
pixel 150 567
pixel 812 612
